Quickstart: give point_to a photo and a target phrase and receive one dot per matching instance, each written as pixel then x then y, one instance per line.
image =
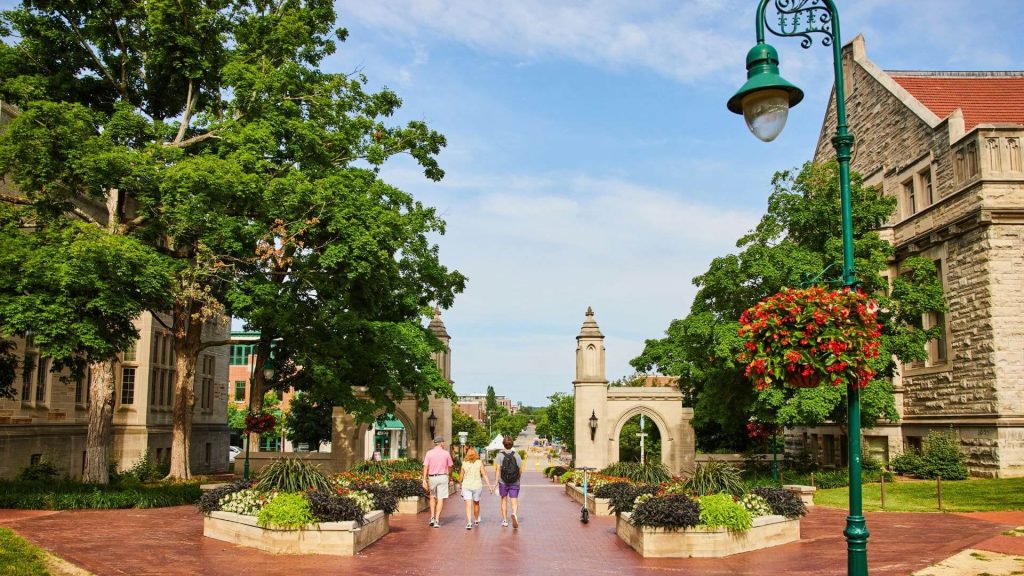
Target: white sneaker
pixel 504 523
pixel 437 523
pixel 432 522
pixel 469 526
pixel 477 520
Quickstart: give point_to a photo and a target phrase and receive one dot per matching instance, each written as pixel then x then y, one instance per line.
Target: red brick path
pixel 550 540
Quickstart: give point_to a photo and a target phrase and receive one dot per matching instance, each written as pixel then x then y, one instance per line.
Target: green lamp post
pixel 764 100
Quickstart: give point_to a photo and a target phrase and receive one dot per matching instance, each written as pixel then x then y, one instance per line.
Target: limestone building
pixel 948 146
pixel 48 418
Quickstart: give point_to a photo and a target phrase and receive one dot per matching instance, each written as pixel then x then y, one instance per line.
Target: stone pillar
pixel 591 390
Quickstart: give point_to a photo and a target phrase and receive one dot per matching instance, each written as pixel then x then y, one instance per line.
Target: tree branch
pixel 16 200
pixel 214 343
pixel 85 46
pixel 190 101
pixel 193 140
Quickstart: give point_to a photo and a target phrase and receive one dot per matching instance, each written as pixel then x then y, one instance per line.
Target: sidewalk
pixel 550 540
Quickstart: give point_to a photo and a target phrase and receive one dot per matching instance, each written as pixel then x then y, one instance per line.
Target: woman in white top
pixel 474 476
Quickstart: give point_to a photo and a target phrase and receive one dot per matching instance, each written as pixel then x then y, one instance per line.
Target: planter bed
pixel 333 538
pixel 702 542
pixel 412 505
pixel 597 506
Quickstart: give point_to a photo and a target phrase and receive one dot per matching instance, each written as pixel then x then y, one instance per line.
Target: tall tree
pixel 798 238
pixel 561 419
pixel 491 401
pixel 209 128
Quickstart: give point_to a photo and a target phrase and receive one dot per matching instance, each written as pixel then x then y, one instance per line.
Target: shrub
pixel 327 507
pixel 622 495
pixel 647 473
pixel 386 468
pixel 907 464
pixel 406 487
pixel 832 479
pixel 383 498
pixel 669 512
pixel 756 505
pixel 522 454
pixel 70 495
pixel 782 502
pixel 42 471
pixel 247 502
pixel 715 476
pixel 286 510
pixel 566 476
pixel 147 469
pixel 720 510
pixel 210 500
pixel 362 498
pixel 942 457
pixel 293 475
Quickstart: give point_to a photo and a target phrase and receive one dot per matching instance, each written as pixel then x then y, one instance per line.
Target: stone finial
pixel 590 328
pixel 437 325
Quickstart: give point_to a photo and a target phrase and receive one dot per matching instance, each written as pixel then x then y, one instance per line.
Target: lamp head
pixel 268 372
pixel 593 420
pixel 765 98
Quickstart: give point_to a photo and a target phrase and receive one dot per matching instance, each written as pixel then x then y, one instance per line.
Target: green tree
pixel 207 130
pixel 236 417
pixel 799 236
pixel 509 424
pixel 629 442
pixel 491 401
pixel 308 420
pixel 561 419
pixel 462 422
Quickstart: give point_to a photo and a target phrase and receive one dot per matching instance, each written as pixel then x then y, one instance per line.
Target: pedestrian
pixel 437 466
pixel 508 468
pixel 474 476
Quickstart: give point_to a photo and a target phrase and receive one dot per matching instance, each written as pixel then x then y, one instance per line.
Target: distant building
pixel 476 405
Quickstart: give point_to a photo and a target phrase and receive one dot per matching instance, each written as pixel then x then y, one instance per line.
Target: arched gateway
pixel 601 412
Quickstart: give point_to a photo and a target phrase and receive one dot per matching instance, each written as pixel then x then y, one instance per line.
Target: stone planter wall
pixel 597 506
pixel 412 505
pixel 806 493
pixel 701 542
pixel 333 538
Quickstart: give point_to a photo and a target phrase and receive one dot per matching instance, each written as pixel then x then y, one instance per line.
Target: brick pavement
pixel 550 540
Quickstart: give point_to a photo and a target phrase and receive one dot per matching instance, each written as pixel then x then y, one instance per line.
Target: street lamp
pixel 462 441
pixel 593 424
pixel 268 376
pixel 432 423
pixel 764 101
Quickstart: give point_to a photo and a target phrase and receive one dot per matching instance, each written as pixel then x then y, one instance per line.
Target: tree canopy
pixel 797 241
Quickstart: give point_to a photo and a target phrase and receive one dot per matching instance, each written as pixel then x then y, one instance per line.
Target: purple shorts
pixel 510 490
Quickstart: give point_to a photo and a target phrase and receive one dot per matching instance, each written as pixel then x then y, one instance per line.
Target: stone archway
pixel 611 408
pixel 630 413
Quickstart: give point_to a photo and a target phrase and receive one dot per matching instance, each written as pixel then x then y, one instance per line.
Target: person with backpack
pixel 508 468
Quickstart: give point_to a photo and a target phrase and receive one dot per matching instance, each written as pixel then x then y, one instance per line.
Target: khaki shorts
pixel 437 486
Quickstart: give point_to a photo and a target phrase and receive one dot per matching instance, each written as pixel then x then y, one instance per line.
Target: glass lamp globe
pixel 766 112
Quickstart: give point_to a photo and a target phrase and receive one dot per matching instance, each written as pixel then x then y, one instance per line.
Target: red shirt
pixel 437 461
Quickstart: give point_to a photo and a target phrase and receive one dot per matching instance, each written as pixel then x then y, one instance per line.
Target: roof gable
pixel 984 97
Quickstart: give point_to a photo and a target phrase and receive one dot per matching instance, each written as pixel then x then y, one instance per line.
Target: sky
pixel 591 160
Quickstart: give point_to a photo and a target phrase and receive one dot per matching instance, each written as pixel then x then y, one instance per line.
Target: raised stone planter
pixel 333 538
pixel 597 506
pixel 806 493
pixel 702 542
pixel 412 505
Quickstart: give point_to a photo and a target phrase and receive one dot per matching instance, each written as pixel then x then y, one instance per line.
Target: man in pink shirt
pixel 436 467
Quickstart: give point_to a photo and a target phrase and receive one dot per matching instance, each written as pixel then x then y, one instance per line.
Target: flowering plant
pixel 811 335
pixel 259 422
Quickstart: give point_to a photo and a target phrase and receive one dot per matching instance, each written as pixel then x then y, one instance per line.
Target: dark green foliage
pixel 782 502
pixel 308 420
pixel 721 510
pixel 907 464
pixel 8 367
pixel 293 475
pixel 210 500
pixel 148 469
pixel 328 507
pixel 629 442
pixel 647 473
pixel 555 471
pixel 670 512
pixel 41 471
pixel 67 495
pixel 827 479
pixel 941 458
pixel 406 487
pixel 714 476
pixel 385 468
pixel 383 497
pixel 622 494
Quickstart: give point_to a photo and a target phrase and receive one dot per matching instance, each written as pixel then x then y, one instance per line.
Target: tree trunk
pixel 188 330
pixel 258 384
pixel 101 423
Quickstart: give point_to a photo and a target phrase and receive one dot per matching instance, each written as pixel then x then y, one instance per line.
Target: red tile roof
pixel 984 97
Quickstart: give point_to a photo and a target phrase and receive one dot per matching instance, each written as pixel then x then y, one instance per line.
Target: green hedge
pixel 68 495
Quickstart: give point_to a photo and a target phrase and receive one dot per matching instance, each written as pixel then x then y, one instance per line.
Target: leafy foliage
pixel 407 487
pixel 673 512
pixel 555 471
pixel 714 476
pixel 940 457
pixel 622 495
pixel 648 473
pixel 286 510
pixel 42 471
pixel 69 495
pixel 309 420
pixel 292 475
pixel 148 469
pixel 476 433
pixel 386 468
pixel 328 507
pixel 560 419
pixel 782 502
pixel 720 510
pixel 629 441
pixel 247 501
pixel 384 498
pixel 796 239
pixel 211 499
pixel 756 505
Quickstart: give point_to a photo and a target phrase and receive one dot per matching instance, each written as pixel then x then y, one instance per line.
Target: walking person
pixel 508 468
pixel 437 466
pixel 474 476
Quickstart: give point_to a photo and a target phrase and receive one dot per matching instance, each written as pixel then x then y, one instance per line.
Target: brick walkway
pixel 550 540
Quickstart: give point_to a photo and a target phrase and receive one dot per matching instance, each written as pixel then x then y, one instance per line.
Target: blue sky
pixel 591 160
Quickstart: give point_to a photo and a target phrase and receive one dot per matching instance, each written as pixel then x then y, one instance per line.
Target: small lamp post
pixel 268 375
pixel 432 423
pixel 593 425
pixel 462 441
pixel 764 100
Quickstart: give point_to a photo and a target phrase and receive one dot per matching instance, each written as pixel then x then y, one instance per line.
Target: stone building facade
pixel 48 418
pixel 948 146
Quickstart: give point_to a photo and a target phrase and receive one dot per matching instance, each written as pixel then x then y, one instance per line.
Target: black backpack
pixel 509 468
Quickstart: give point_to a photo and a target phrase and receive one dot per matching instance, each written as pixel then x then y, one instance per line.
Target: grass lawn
pixel 18 557
pixel 977 495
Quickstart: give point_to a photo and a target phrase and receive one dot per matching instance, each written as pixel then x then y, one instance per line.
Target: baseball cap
pixel 438 439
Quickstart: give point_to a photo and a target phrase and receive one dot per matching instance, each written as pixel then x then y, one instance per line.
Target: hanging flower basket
pixel 809 336
pixel 259 422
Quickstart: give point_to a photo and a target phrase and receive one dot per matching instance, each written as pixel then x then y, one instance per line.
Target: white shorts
pixel 438 486
pixel 472 493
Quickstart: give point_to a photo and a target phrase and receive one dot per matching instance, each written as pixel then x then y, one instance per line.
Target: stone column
pixel 591 390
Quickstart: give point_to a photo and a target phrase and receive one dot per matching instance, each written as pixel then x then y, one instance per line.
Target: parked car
pixel 233 451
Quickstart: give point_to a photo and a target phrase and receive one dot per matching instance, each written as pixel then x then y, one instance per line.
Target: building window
pixel 909 198
pixel 240 354
pixel 130 354
pixel 79 385
pixel 937 347
pixel 209 453
pixel 42 375
pixel 28 364
pixel 926 187
pixel 35 459
pixel 127 385
pixel 971 151
pixel 206 385
pixel 239 390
